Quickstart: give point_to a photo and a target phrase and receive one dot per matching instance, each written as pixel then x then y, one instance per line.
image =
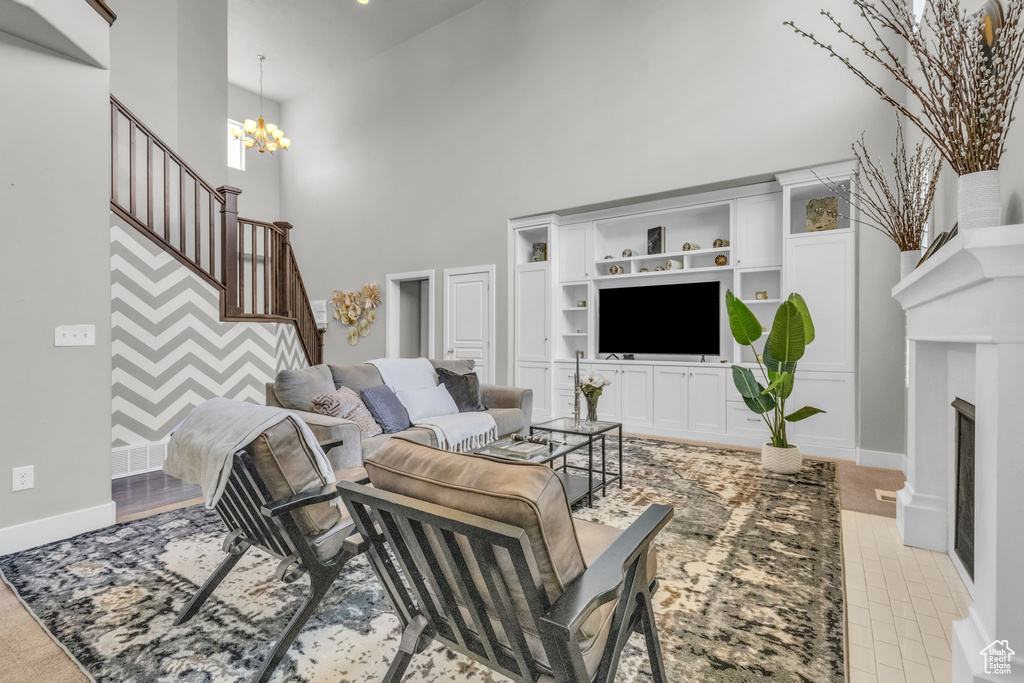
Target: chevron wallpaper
pixel 170 349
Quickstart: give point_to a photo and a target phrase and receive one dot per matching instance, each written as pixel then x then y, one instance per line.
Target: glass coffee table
pixel 566 440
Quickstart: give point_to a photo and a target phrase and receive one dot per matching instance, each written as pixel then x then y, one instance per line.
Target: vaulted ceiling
pixel 308 41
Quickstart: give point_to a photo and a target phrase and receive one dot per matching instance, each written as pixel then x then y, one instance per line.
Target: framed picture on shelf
pixel 822 214
pixel 656 240
pixel 540 252
pixel 940 241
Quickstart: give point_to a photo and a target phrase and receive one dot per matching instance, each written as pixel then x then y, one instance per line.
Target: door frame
pixel 392 313
pixel 492 305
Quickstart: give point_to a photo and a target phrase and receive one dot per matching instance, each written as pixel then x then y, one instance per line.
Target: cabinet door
pixel 706 405
pixel 565 404
pixel 635 397
pixel 574 253
pixel 565 374
pixel 759 231
pixel 536 376
pixel 608 404
pixel 744 422
pixel 532 312
pixel 833 392
pixel 820 267
pixel 670 396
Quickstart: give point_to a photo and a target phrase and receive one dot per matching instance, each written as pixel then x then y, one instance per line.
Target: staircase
pixel 250 262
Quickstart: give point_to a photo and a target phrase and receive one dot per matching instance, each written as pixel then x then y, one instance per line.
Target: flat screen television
pixel 677 319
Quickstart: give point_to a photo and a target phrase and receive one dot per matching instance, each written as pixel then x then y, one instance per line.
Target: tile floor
pixel 901 604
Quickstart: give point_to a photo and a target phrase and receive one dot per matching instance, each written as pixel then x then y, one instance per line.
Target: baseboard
pixel 892 461
pixel 20 537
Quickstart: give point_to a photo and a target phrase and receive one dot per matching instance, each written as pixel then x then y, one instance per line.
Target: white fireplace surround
pixel 965 323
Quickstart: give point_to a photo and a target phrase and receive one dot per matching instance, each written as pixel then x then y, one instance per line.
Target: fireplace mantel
pixel 967 302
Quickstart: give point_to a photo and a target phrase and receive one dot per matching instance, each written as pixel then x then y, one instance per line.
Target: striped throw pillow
pixel 347 405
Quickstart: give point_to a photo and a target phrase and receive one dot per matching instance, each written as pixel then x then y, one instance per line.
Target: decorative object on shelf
pixel 895 201
pixel 644 270
pixel 673 264
pixel 609 257
pixel 357 310
pixel 579 331
pixel 822 213
pixel 966 60
pixel 690 246
pixel 720 243
pixel 616 269
pixel 659 269
pixel 539 252
pixel 265 137
pixel 579 354
pixel 761 296
pixel 656 240
pixel 791 332
pixel 721 260
pixel 581 303
pixel 592 385
pixel 939 242
pixel 626 253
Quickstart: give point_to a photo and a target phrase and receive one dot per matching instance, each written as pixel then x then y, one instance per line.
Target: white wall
pixel 55 404
pixel 516 108
pixel 261 180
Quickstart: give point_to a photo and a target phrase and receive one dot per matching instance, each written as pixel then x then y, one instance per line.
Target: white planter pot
pixel 978 201
pixel 908 262
pixel 781 460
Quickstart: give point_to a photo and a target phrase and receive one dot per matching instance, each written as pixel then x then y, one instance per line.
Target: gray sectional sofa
pixel 510 407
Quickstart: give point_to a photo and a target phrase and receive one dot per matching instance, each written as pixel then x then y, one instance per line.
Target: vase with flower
pixel 592 385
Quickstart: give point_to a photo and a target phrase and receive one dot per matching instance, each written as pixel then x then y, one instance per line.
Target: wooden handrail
pixel 249 261
pixel 101 7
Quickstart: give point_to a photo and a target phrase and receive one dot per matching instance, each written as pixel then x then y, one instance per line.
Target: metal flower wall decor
pixel 357 310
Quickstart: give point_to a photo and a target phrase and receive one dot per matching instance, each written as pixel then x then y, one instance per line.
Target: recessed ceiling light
pixel 363 2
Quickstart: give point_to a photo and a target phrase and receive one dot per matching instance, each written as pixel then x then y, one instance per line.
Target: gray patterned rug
pixel 751 587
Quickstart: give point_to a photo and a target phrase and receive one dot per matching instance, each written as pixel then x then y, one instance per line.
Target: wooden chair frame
pixel 253 518
pixel 428 604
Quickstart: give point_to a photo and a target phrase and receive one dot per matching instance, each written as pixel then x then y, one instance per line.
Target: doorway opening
pixel 410 315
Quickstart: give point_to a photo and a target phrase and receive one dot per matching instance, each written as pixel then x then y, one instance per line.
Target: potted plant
pixel 791 332
pixel 592 386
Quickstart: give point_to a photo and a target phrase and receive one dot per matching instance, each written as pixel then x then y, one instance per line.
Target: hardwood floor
pixel 143 492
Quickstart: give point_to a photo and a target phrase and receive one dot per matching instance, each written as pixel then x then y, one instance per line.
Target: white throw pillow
pixel 430 402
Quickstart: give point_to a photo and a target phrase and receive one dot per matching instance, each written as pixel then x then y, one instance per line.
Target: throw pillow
pixel 295 389
pixel 465 389
pixel 386 409
pixel 429 402
pixel 347 405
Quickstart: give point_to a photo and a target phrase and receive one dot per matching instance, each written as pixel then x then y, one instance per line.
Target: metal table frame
pixel 591 436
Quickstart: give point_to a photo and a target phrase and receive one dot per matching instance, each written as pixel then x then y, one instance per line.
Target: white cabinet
pixel 744 422
pixel 536 376
pixel 758 240
pixel 635 397
pixel 670 396
pixel 706 399
pixel 820 267
pixel 608 406
pixel 532 312
pixel 833 392
pixel 574 257
pixel 565 404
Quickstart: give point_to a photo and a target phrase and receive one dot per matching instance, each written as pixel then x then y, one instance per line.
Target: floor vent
pixel 885 496
pixel 129 460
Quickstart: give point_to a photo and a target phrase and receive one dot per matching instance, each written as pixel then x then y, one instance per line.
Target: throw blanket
pixel 406 373
pixel 201 448
pixel 461 432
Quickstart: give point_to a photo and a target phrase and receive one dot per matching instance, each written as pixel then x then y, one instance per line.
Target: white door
pixel 670 396
pixel 706 400
pixel 759 231
pixel 469 318
pixel 573 253
pixel 536 376
pixel 608 404
pixel 532 312
pixel 635 395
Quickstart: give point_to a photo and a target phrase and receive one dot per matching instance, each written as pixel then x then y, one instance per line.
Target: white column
pixel 921 503
pixel 998 609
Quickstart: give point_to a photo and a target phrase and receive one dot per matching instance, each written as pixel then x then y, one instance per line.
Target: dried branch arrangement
pixel 967 87
pixel 899 207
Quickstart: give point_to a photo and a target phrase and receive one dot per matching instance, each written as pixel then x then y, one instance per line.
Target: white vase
pixel 908 261
pixel 781 460
pixel 978 201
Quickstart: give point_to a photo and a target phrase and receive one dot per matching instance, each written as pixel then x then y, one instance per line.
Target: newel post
pixel 283 292
pixel 229 250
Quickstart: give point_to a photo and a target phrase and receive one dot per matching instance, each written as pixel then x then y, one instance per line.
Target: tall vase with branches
pixel 896 201
pixel 964 71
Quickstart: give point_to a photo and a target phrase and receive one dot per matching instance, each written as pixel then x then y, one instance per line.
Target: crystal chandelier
pixel 265 137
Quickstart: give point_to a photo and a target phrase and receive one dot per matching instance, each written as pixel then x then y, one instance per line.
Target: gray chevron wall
pixel 170 349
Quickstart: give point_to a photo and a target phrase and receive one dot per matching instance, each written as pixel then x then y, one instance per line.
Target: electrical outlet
pixel 23 478
pixel 74 335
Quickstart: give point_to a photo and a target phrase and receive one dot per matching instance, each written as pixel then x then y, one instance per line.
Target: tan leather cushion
pixel 287 466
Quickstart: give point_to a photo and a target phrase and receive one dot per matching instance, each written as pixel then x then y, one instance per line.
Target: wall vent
pixel 129 460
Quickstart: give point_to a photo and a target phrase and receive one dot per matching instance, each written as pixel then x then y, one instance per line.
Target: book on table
pixel 520 449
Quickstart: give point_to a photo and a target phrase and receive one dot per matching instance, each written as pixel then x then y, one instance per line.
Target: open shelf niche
pixel 524 241
pixel 574 320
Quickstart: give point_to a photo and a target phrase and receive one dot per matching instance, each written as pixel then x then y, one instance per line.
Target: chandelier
pixel 265 137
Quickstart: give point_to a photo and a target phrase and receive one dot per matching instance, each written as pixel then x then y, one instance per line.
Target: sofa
pixel 511 407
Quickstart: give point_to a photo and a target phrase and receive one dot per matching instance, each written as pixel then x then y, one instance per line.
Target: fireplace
pixel 963 496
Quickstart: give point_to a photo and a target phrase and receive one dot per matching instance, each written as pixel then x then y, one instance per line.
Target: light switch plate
pixel 23 478
pixel 74 335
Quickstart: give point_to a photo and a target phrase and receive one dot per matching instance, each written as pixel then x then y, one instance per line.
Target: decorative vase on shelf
pixel 781 460
pixel 978 200
pixel 591 409
pixel 909 261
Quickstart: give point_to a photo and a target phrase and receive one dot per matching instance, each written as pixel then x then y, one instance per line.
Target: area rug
pixel 750 567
